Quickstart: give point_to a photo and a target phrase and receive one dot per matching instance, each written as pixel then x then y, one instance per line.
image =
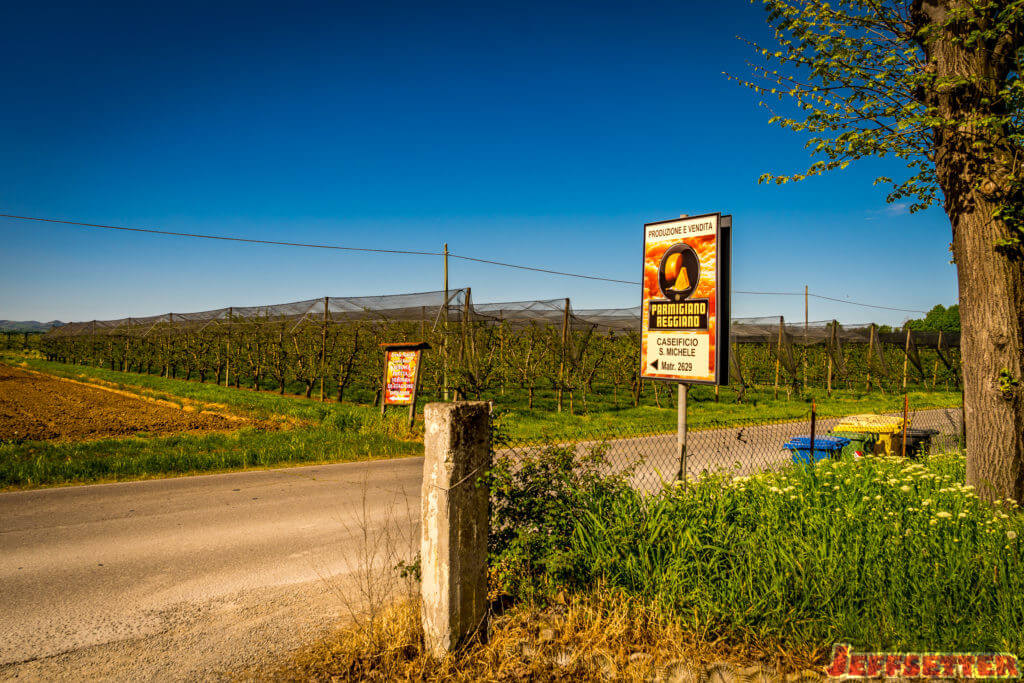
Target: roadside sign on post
pixel 685 307
pixel 402 361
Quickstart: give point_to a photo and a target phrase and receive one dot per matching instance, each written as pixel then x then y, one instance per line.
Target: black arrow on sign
pixel 655 363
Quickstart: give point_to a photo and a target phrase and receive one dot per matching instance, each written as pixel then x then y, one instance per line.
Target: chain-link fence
pixel 651 456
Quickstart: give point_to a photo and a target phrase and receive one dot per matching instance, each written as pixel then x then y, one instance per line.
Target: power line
pixel 222 237
pixel 542 270
pixel 855 303
pixel 251 240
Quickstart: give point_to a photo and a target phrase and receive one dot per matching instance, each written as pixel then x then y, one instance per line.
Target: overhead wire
pixel 312 245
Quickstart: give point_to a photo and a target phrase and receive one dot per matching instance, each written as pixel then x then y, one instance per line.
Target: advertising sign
pixel 400 374
pixel 685 305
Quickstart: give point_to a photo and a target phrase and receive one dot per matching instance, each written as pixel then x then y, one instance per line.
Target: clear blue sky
pixel 542 133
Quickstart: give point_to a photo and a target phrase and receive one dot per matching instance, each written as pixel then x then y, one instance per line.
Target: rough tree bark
pixel 975 171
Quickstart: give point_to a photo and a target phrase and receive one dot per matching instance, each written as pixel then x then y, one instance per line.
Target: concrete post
pixel 453 547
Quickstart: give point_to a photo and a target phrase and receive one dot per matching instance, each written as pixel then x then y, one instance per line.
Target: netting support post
pixel 561 364
pixel 871 349
pixel 127 345
pixel 906 357
pixel 444 342
pixel 806 313
pixel 323 350
pixel 835 348
pixel 681 475
pixel 227 353
pixel 778 356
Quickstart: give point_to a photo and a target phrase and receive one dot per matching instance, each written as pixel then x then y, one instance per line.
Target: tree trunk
pixel 977 166
pixel 992 321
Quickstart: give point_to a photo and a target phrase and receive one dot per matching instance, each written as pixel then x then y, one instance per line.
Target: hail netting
pixel 430 306
pixel 330 345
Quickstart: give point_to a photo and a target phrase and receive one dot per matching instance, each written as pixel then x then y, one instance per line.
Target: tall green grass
pixel 881 553
pixel 34 464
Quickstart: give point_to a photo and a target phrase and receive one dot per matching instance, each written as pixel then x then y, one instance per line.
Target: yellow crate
pixel 885 426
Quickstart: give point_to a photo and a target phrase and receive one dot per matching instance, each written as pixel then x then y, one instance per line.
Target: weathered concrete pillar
pixel 453 548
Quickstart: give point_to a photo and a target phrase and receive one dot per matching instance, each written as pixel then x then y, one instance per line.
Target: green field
pixel 333 432
pixel 318 432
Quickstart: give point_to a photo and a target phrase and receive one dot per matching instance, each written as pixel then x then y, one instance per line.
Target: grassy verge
pixel 596 636
pixel 318 432
pixel 885 554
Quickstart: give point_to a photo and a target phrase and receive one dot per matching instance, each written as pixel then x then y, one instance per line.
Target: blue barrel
pixel 824 447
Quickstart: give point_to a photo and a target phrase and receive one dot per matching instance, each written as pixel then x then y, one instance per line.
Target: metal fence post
pixel 455 519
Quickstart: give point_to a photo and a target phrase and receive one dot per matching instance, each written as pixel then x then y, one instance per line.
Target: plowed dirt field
pixel 35 406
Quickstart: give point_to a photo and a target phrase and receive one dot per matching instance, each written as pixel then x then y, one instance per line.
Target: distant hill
pixel 27 325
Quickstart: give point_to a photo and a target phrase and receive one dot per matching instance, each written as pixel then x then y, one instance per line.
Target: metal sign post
pixel 685 308
pixel 684 390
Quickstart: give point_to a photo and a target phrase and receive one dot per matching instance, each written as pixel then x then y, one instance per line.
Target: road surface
pixel 186 578
pixel 182 578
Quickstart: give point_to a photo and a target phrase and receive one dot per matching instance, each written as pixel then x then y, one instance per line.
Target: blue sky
pixel 536 133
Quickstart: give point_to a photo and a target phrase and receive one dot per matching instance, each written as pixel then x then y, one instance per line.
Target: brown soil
pixel 35 406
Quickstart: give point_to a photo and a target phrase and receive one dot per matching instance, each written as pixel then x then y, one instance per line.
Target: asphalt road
pixel 181 578
pixel 187 578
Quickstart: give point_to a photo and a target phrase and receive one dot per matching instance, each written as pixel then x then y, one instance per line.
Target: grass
pixel 315 433
pixel 885 554
pixel 747 578
pixel 601 635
